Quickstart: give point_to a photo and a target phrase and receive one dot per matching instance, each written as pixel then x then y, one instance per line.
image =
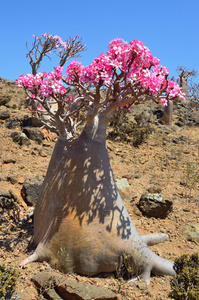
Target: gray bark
pixel 80 222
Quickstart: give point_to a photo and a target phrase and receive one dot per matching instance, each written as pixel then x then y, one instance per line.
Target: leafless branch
pixel 42 46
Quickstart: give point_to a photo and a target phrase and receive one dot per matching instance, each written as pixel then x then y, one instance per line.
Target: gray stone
pixel 4 114
pixel 122 184
pixel 30 191
pixel 20 139
pixel 34 134
pixel 61 287
pixel 191 232
pixel 12 123
pixel 154 205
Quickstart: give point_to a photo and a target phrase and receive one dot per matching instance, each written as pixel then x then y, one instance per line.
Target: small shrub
pixel 8 279
pixel 131 132
pixel 186 284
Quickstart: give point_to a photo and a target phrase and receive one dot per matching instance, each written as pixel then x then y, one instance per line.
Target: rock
pixel 20 139
pixel 191 232
pixel 46 144
pixel 31 122
pixel 11 179
pixel 124 188
pixel 142 286
pixel 4 114
pixel 122 184
pixel 9 161
pixel 80 290
pixel 48 135
pixel 153 205
pixel 4 100
pixel 34 134
pixel 158 113
pixel 67 288
pixel 35 122
pixel 5 194
pixel 15 194
pixel 6 203
pixel 165 129
pixel 188 118
pixel 12 123
pixel 42 154
pixel 8 199
pixel 30 190
pixel 154 189
pixel 26 121
pixel 21 180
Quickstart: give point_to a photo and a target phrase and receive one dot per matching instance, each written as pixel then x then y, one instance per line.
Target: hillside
pixel 167 163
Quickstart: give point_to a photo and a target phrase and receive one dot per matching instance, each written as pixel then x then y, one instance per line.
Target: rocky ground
pixel 167 163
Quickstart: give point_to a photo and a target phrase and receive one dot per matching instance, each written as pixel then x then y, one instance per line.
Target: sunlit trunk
pixel 80 222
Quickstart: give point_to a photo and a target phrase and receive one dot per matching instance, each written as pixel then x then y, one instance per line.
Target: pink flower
pixel 124 65
pixel 59 68
pixel 164 101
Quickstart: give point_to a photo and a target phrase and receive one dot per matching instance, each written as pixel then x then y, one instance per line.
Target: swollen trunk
pixel 80 222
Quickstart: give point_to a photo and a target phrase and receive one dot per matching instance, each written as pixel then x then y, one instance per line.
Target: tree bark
pixel 80 223
pixel 168 113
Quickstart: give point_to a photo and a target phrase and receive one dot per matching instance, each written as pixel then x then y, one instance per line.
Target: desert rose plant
pixel 80 221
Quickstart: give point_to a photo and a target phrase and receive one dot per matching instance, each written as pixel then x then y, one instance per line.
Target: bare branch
pixel 74 47
pixel 44 45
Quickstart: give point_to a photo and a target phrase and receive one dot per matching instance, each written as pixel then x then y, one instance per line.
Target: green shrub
pixel 8 279
pixel 131 132
pixel 186 284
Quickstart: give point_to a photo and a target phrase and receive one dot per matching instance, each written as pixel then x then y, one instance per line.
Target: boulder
pixel 20 139
pixel 4 114
pixel 30 191
pixel 154 205
pixel 31 122
pixel 12 123
pixel 34 134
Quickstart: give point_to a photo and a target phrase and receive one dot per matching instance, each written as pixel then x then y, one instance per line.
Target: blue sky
pixel 170 29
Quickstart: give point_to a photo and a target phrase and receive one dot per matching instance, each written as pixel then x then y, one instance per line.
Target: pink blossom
pixel 59 68
pixel 164 101
pixel 131 62
pixel 40 107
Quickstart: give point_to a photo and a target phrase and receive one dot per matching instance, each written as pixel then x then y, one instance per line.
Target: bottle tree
pixel 80 221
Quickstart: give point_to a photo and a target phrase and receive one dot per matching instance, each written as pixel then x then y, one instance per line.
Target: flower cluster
pixel 134 61
pixel 43 84
pixel 127 63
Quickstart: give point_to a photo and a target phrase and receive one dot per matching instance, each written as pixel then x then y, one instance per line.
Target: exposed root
pixel 163 266
pixel 156 265
pixel 31 258
pixel 146 275
pixel 153 239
